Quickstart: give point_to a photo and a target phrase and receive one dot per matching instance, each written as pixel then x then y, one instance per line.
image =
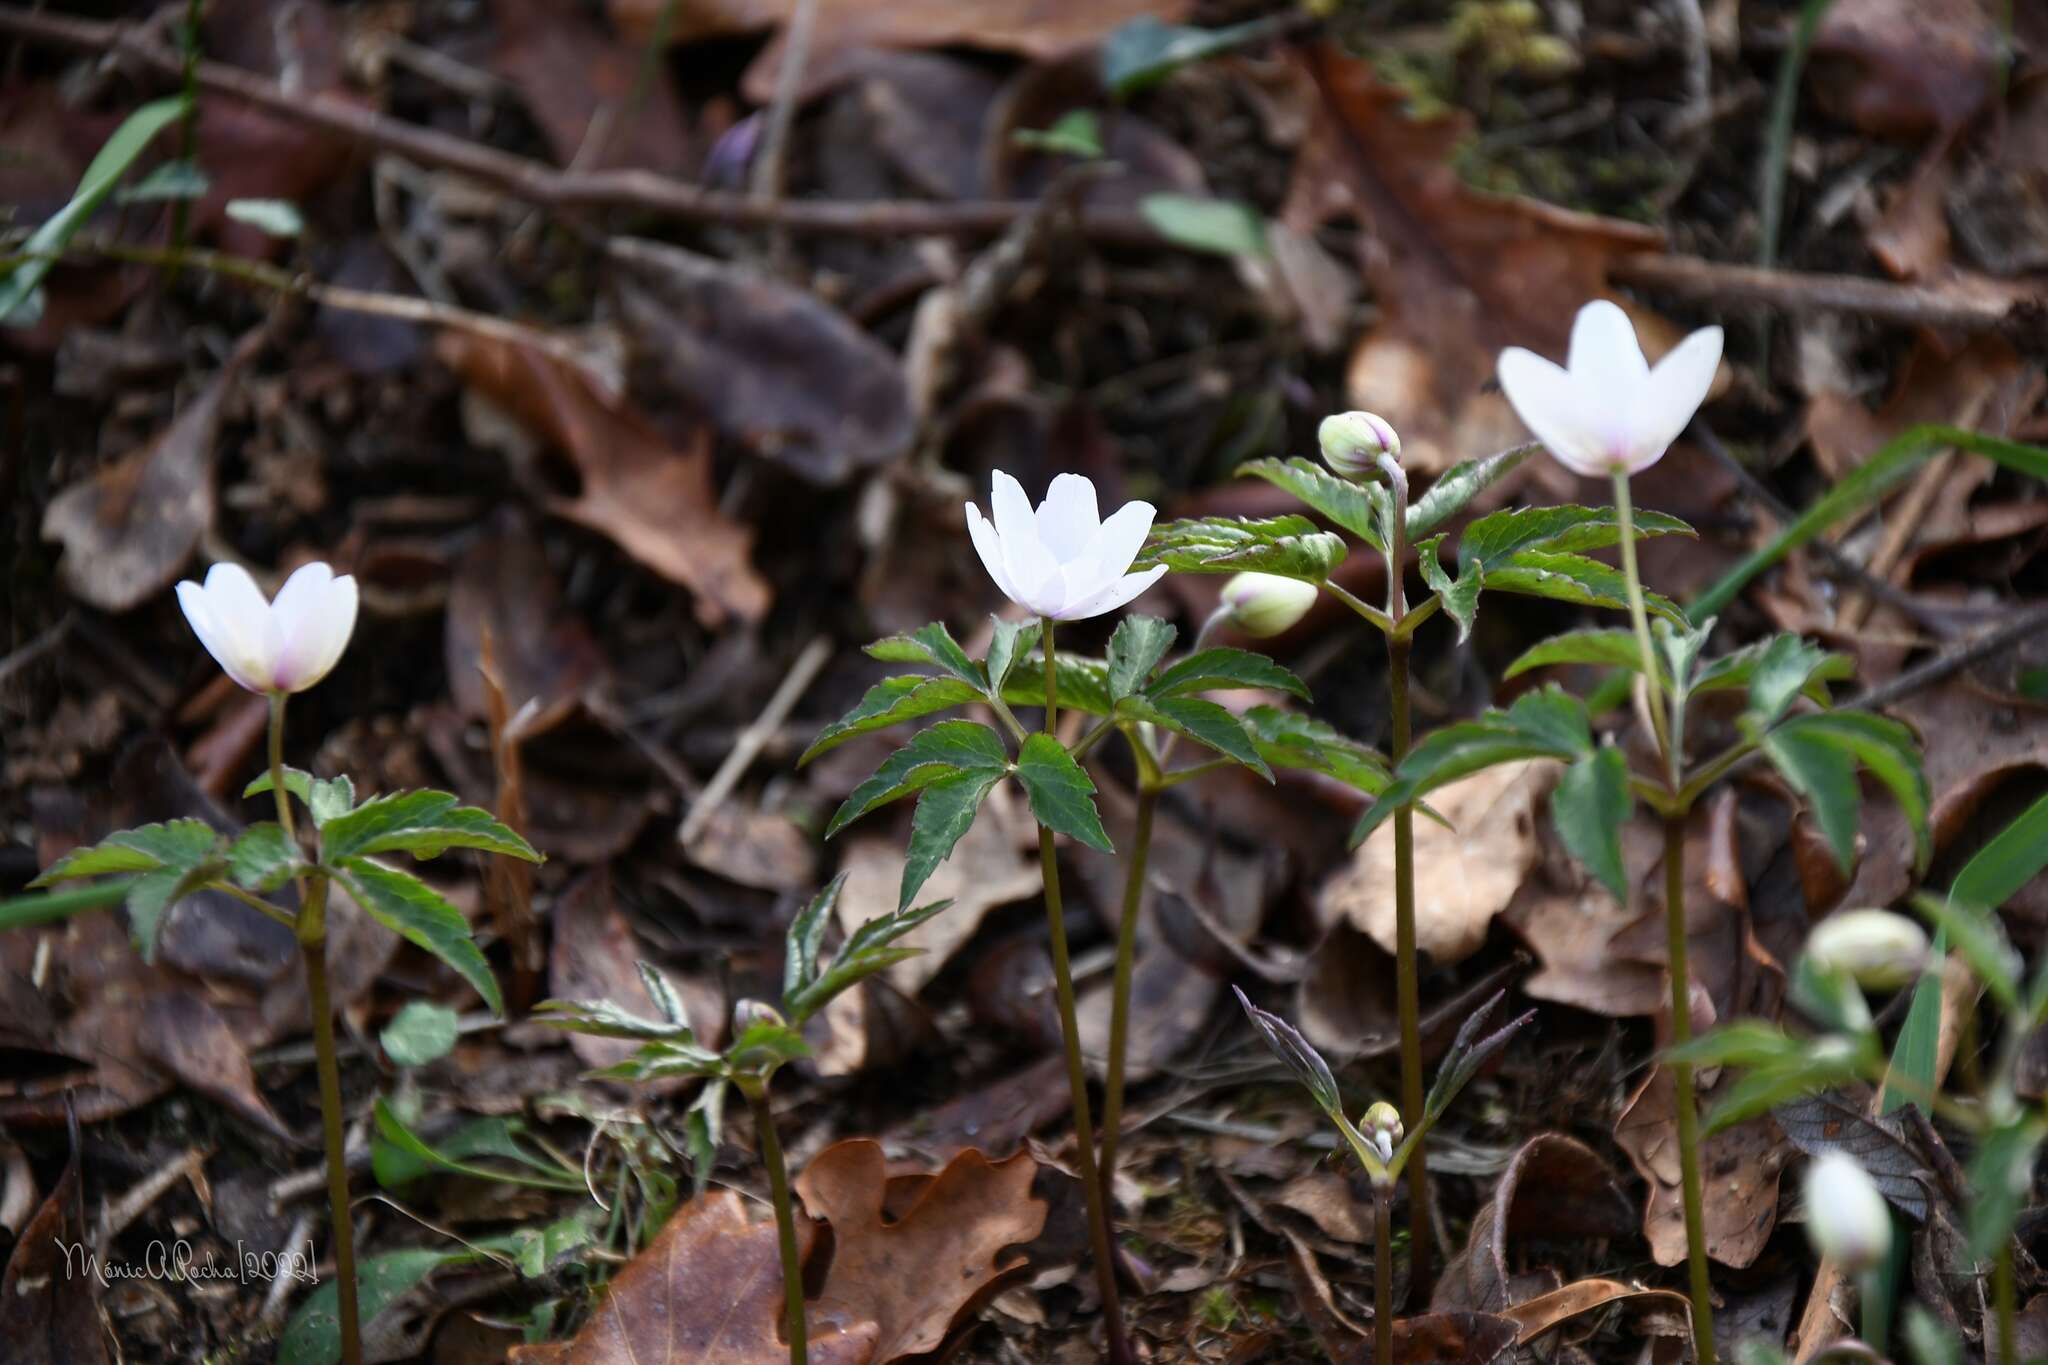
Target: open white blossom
pixel 1846 1217
pixel 1607 411
pixel 286 645
pixel 1063 561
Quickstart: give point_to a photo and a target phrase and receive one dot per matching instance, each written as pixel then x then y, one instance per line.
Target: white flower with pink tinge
pixel 1607 411
pixel 286 645
pixel 1062 561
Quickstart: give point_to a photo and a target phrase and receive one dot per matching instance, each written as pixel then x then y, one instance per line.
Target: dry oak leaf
pixel 1555 1190
pixel 655 501
pixel 1458 273
pixel 1464 875
pixel 1739 1170
pixel 706 1291
pixel 1031 28
pixel 916 1276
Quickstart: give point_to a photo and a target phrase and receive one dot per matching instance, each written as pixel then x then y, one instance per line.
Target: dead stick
pixel 751 739
pixel 1796 292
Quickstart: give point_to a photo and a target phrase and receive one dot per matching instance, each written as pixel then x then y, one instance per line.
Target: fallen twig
pixel 1914 305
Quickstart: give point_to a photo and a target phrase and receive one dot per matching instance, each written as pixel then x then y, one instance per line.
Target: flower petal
pixel 1117 542
pixel 222 643
pixel 1067 519
pixel 316 620
pixel 1035 578
pixel 989 546
pixel 1663 404
pixel 1550 404
pixel 1605 357
pixel 1114 595
pixel 1011 510
pixel 241 619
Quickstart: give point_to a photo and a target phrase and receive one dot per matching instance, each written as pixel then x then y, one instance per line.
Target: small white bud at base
pixel 1264 604
pixel 747 1013
pixel 1878 949
pixel 1353 442
pixel 1846 1217
pixel 1381 1126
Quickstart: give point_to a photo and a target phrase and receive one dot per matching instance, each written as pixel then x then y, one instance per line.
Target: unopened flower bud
pixel 1353 442
pixel 1264 604
pixel 1879 949
pixel 1846 1217
pixel 1381 1125
pixel 747 1013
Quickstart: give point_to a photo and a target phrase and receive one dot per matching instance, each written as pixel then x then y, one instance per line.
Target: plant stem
pixel 312 932
pixel 1407 973
pixel 1383 1274
pixel 1077 1071
pixel 756 1092
pixel 2003 1296
pixel 1685 1101
pixel 1639 616
pixel 1120 996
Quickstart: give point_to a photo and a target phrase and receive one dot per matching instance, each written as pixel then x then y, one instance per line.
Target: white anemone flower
pixel 286 645
pixel 1846 1216
pixel 1063 561
pixel 1607 411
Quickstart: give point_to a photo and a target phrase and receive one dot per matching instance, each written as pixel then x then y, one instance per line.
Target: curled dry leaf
pixel 1464 875
pixel 1032 28
pixel 128 529
pixel 1442 1339
pixel 774 368
pixel 1740 1167
pixel 915 1277
pixel 47 1315
pixel 655 501
pixel 196 1043
pixel 1555 1189
pixel 1534 1317
pixel 1458 273
pixel 706 1291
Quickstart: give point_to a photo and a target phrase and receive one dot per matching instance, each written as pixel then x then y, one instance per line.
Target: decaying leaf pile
pixel 637 359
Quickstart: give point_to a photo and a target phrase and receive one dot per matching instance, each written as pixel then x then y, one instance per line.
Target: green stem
pixel 312 930
pixel 2004 1297
pixel 284 801
pixel 1120 996
pixel 1685 1100
pixel 1380 620
pixel 1383 1275
pixel 1193 771
pixel 253 902
pixel 1639 616
pixel 1077 1071
pixel 1407 972
pixel 794 1325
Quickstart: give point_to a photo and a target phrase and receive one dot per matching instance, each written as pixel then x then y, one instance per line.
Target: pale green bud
pixel 1846 1218
pixel 1879 949
pixel 1353 442
pixel 748 1013
pixel 1381 1125
pixel 1264 604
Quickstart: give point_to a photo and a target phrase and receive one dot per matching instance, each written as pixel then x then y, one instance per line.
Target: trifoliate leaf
pixel 1062 796
pixel 1135 649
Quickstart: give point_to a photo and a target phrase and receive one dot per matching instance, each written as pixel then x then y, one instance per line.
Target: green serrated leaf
pixel 419 914
pixel 1600 648
pixel 1591 804
pixel 1012 641
pixel 1062 796
pixel 1458 485
pixel 420 1032
pixel 1083 684
pixel 867 951
pixel 1570 578
pixel 1780 674
pixel 1460 596
pixel 1550 723
pixel 945 811
pixel 1135 649
pixel 951 746
pixel 935 645
pixel 1883 746
pixel 263 858
pixel 1572 530
pixel 1363 509
pixel 1738 668
pixel 173 844
pixel 1288 740
pixel 1202 721
pixel 891 702
pixel 423 823
pixel 806 936
pixel 324 797
pixel 1206 223
pixel 392 1129
pixel 605 1019
pixel 1223 670
pixel 1825 775
pixel 1289 546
